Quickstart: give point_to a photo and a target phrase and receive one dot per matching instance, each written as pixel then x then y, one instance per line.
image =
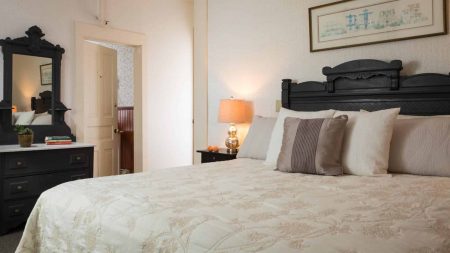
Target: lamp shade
pixel 235 111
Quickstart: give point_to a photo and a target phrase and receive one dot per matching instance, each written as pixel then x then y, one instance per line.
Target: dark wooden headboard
pixel 42 104
pixel 370 85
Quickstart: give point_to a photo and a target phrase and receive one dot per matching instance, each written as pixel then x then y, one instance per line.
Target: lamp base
pixel 232 142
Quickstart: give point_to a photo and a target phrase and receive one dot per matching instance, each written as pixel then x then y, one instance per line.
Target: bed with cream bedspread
pixel 241 206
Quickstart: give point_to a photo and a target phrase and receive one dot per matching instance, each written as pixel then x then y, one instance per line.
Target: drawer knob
pixel 19 163
pixel 78 158
pixel 16 210
pixel 19 187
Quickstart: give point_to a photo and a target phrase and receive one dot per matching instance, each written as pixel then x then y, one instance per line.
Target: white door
pixel 100 107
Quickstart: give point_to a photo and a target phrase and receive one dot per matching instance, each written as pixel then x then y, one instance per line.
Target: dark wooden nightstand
pixel 222 155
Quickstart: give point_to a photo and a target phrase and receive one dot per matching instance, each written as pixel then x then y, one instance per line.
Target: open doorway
pixel 116 60
pixel 109 73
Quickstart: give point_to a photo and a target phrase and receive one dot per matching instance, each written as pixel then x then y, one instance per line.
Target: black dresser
pixel 27 172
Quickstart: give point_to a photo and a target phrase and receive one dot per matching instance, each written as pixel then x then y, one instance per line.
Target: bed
pixel 246 206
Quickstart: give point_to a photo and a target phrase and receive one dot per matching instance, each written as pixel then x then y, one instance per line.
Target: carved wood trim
pixel 371 85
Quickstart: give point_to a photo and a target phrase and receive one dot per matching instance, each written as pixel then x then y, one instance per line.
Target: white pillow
pixel 367 141
pixel 25 118
pixel 277 134
pixel 42 119
pixel 257 141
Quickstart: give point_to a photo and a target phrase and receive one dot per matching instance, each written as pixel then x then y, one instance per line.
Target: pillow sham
pixel 312 146
pixel 367 141
pixel 257 141
pixel 25 118
pixel 42 119
pixel 421 146
pixel 277 134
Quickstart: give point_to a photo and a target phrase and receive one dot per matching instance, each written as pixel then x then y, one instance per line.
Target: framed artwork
pixel 46 74
pixel 361 22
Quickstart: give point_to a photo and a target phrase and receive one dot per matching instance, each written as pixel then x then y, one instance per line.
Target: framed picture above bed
pixel 46 74
pixel 353 23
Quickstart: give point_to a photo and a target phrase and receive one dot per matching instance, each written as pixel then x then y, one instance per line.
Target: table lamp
pixel 234 111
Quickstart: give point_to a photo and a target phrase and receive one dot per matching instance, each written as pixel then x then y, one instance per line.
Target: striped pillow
pixel 312 146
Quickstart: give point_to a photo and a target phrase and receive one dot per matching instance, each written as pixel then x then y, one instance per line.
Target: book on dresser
pixel 58 140
pixel 27 172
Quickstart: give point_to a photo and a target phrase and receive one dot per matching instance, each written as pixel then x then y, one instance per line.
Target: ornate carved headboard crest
pixel 364 69
pixel 370 85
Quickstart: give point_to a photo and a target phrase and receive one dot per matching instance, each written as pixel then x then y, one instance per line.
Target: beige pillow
pixel 42 119
pixel 257 141
pixel 367 141
pixel 312 146
pixel 421 146
pixel 277 134
pixel 25 118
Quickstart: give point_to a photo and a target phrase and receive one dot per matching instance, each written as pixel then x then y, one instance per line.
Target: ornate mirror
pixel 31 87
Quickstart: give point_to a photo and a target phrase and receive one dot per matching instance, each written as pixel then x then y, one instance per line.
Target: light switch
pixel 277 105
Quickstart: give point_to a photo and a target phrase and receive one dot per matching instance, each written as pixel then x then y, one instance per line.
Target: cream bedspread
pixel 241 206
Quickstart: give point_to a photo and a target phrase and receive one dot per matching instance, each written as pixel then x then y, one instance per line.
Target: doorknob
pixel 117 131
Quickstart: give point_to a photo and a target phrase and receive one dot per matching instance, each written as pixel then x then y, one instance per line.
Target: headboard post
pixel 285 91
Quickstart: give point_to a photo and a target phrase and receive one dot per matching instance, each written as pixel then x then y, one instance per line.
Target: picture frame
pixel 46 74
pixel 351 23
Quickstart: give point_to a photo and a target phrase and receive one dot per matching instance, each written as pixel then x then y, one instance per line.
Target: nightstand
pixel 222 155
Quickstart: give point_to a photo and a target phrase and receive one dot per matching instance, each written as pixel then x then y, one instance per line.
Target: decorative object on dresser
pixel 217 156
pixel 24 135
pixel 22 58
pixel 234 111
pixel 26 173
pixel 352 23
pixel 58 140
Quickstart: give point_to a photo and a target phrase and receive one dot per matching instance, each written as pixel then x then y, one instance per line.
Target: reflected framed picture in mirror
pixel 46 74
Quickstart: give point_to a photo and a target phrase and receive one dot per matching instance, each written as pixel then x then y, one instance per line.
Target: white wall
pixel 253 44
pixel 167 24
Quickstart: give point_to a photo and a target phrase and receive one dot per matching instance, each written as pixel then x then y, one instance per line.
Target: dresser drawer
pixel 22 163
pixel 33 186
pixel 17 210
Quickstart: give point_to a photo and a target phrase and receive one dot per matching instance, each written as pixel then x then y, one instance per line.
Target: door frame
pixel 85 32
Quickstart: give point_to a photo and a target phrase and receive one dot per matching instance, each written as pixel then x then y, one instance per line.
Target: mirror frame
pixel 33 45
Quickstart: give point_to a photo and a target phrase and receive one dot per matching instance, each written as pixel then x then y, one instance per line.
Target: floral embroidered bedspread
pixel 241 206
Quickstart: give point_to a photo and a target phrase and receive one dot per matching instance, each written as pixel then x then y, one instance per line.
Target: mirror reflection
pixel 31 90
